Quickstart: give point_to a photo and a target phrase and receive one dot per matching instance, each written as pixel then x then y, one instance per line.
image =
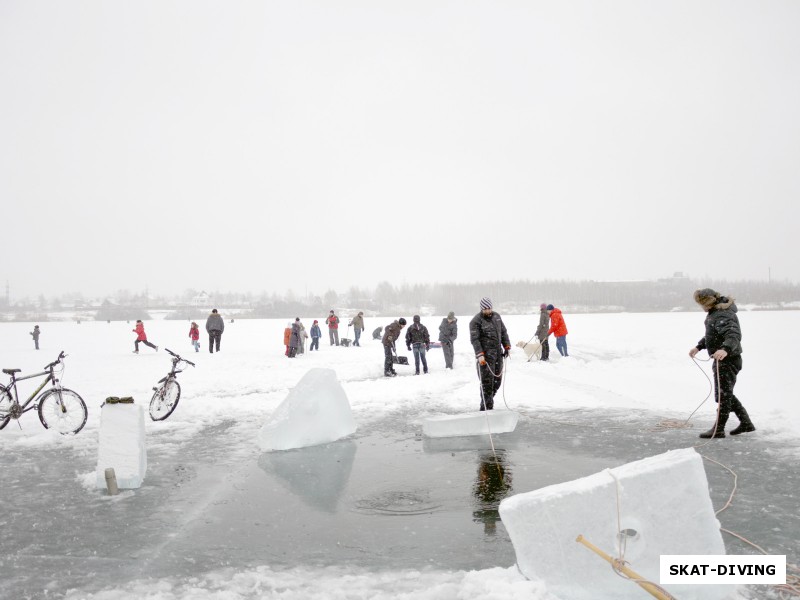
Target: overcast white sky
pixel 322 144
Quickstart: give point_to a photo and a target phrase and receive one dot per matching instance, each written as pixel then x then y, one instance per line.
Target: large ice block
pixel 664 508
pixel 122 445
pixel 316 411
pixel 472 423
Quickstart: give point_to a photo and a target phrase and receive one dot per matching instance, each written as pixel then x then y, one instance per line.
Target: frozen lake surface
pixel 398 512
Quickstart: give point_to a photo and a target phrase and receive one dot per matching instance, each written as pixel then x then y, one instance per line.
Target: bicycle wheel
pixel 165 400
pixel 62 410
pixel 5 406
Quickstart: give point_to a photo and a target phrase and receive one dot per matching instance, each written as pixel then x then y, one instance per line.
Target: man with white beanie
pixel 490 340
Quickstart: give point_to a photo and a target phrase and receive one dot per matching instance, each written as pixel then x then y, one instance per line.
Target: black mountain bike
pixel 59 408
pixel 165 397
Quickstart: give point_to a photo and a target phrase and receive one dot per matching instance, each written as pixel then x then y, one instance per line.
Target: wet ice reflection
pixel 492 483
pixel 317 475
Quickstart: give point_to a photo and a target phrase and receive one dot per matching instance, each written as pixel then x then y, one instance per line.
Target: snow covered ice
pixel 316 411
pixel 662 501
pixel 474 423
pixel 122 445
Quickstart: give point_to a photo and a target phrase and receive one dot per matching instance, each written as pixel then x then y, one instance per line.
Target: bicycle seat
pixel 11 371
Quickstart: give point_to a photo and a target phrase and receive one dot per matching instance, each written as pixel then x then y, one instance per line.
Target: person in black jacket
pixel 723 342
pixel 490 340
pixel 418 335
pixel 390 335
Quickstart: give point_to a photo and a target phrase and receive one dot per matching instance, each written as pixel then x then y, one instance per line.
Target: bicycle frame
pixel 26 406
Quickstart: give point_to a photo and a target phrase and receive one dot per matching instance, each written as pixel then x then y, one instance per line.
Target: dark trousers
pixel 419 355
pixel 35 341
pixel 728 369
pixel 447 350
pixel 545 350
pixel 387 359
pixel 214 338
pixel 491 375
pixel 314 344
pixel 145 342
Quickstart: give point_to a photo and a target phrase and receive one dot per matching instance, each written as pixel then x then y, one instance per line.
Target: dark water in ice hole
pixel 385 499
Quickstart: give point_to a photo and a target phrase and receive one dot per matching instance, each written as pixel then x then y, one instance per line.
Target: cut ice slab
pixel 316 411
pixel 122 445
pixel 472 423
pixel 663 505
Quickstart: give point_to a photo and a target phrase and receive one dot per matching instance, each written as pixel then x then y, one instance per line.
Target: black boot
pixel 719 432
pixel 745 424
pixel 720 429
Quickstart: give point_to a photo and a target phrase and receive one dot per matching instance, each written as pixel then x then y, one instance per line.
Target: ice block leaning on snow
pixel 473 423
pixel 122 445
pixel 316 411
pixel 664 508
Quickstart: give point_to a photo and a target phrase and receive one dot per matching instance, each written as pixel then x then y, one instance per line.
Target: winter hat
pixel 331 311
pixel 297 318
pixel 543 306
pixel 402 321
pixel 214 311
pixel 550 307
pixel 416 318
pixel 315 321
pixel 485 303
pixel 451 315
pixel 706 297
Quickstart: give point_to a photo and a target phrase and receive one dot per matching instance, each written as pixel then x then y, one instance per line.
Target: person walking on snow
pixel 723 341
pixel 333 328
pixel 390 335
pixel 316 333
pixel 295 337
pixel 490 340
pixel 214 326
pixel 35 334
pixel 542 331
pixel 558 328
pixel 194 334
pixel 141 336
pixel 448 332
pixel 418 335
pixel 358 327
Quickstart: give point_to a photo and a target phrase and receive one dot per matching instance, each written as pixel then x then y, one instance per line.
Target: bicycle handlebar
pixel 61 357
pixel 178 357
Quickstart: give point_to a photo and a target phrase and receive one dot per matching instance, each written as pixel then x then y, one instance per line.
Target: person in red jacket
pixel 558 328
pixel 194 334
pixel 141 336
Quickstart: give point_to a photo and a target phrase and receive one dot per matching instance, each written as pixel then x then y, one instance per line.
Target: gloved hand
pixel 427 347
pixel 482 360
pixel 506 352
pixel 409 347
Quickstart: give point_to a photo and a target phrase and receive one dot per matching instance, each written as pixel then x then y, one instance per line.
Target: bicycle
pixel 59 408
pixel 166 396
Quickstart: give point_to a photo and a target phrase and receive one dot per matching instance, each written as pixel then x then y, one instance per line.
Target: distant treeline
pixel 511 297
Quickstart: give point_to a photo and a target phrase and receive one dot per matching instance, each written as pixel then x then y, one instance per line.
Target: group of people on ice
pixel 489 339
pixel 214 327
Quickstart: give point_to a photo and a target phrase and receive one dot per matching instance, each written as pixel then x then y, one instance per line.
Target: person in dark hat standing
pixel 316 333
pixel 490 340
pixel 418 335
pixel 448 332
pixel 723 342
pixel 214 327
pixel 358 327
pixel 333 328
pixel 390 335
pixel 542 329
pixel 558 328
pixel 35 335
